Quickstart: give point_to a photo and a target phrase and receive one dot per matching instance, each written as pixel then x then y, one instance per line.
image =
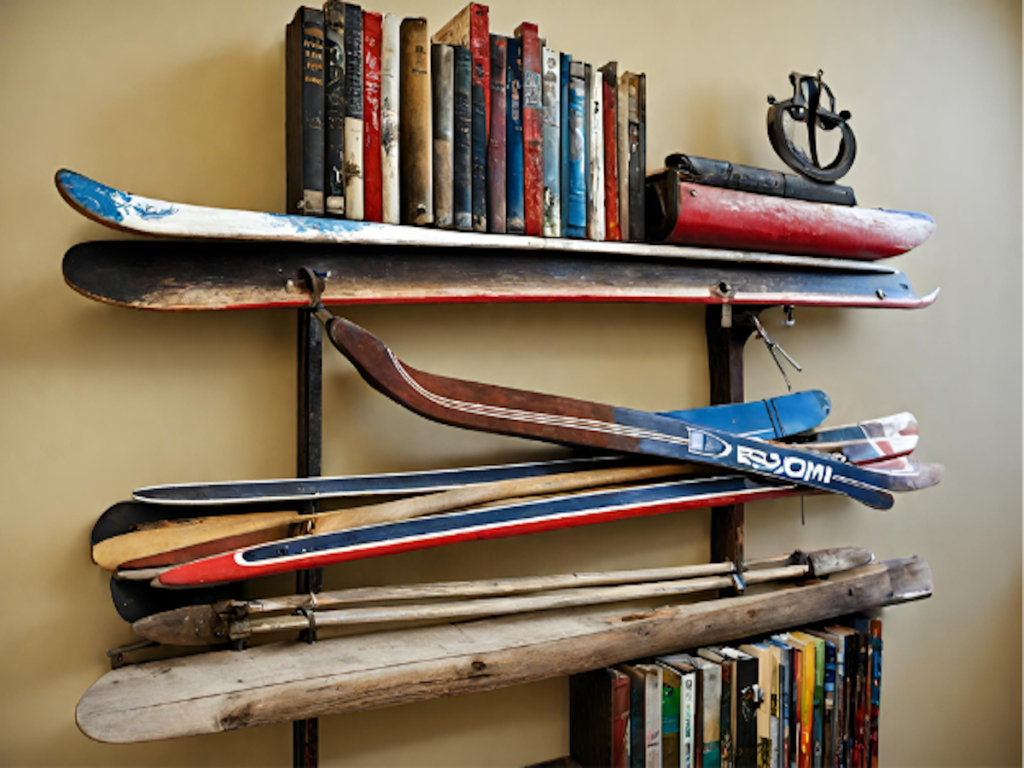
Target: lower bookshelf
pixel 226 690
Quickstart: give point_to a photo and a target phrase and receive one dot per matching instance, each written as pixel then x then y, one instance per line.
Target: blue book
pixel 574 173
pixel 563 82
pixel 479 107
pixel 515 200
pixel 551 115
pixel 462 173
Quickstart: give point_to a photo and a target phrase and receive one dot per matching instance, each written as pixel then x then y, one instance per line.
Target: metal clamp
pixel 774 349
pixel 310 633
pixel 316 282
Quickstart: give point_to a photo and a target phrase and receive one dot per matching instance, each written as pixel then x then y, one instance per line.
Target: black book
pixel 353 111
pixel 637 90
pixel 304 126
pixel 462 172
pixel 334 107
pixel 748 701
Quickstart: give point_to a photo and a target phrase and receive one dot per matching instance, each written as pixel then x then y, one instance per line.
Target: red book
pixel 373 197
pixel 610 83
pixel 533 131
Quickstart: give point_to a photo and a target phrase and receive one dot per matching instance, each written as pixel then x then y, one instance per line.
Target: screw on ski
pixel 774 349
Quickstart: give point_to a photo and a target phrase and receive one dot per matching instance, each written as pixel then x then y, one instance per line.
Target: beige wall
pixel 184 100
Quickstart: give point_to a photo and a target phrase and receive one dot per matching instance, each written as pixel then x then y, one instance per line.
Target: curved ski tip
pixel 928 299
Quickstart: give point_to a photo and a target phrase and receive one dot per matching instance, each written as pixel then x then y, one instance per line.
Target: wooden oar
pixel 232 620
pixel 137 548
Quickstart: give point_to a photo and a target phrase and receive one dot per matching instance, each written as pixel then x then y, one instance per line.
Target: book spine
pixel 496 137
pixel 442 72
pixel 515 216
pixel 304 43
pixel 637 157
pixel 620 717
pixel 574 145
pixel 372 193
pixel 828 741
pixel 417 203
pixel 480 49
pixel 595 155
pixel 564 76
pixel 876 688
pixel 746 722
pixel 533 131
pixel 334 108
pixel 551 112
pixel 728 741
pixel 622 141
pixel 637 725
pixel 686 720
pixel 609 93
pixel 462 173
pixel 819 705
pixel 389 119
pixel 591 716
pixel 353 112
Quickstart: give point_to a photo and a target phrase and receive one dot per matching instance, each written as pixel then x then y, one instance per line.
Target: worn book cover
pixel 515 216
pixel 747 704
pixel 610 115
pixel 552 114
pixel 690 715
pixel 564 67
pixel 599 718
pixel 416 155
pixel 533 130
pixel 671 689
pixel 637 714
pixel 622 141
pixel 652 714
pixel 334 107
pixel 727 728
pixel 574 143
pixel 637 91
pixel 304 126
pixel 389 85
pixel 463 157
pixel 594 86
pixel 496 137
pixel 372 192
pixel 784 658
pixel 353 111
pixel 442 72
pixel 767 711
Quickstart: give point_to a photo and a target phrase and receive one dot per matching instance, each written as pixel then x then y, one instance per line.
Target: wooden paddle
pixel 166 542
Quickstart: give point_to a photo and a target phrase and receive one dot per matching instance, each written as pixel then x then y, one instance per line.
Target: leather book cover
pixel 415 155
pixel 372 191
pixel 442 72
pixel 515 217
pixel 574 146
pixel 462 173
pixel 334 107
pixel 622 141
pixel 496 137
pixel 353 112
pixel 595 153
pixel 636 87
pixel 389 88
pixel 610 118
pixel 552 116
pixel 533 130
pixel 304 126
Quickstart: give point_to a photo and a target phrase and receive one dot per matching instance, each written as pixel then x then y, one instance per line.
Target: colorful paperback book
pixel 833 652
pixel 689 707
pixel 442 72
pixel 334 107
pixel 515 216
pixel 610 117
pixel 595 154
pixel 496 137
pixel 574 182
pixel 564 67
pixel 353 112
pixel 533 129
pixel 599 718
pixel 622 142
pixel 389 119
pixel 552 114
pixel 373 203
pixel 808 664
pixel 671 705
pixel 463 157
pixel 876 687
pixel 784 656
pixel 818 727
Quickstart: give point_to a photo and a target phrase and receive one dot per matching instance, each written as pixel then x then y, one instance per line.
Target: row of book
pixel 799 699
pixel 470 131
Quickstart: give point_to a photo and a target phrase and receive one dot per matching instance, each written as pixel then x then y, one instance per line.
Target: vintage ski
pixel 491 408
pixel 777 417
pixel 512 519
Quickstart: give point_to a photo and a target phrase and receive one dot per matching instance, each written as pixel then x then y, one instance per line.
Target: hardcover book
pixel 574 184
pixel 496 137
pixel 564 67
pixel 372 182
pixel 463 158
pixel 652 714
pixel 417 199
pixel 334 107
pixel 552 114
pixel 690 726
pixel 727 709
pixel 710 709
pixel 304 43
pixel 622 142
pixel 515 216
pixel 442 72
pixel 353 112
pixel 746 690
pixel 599 718
pixel 533 130
pixel 767 712
pixel 389 89
pixel 610 118
pixel 595 154
pixel 470 29
pixel 637 135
